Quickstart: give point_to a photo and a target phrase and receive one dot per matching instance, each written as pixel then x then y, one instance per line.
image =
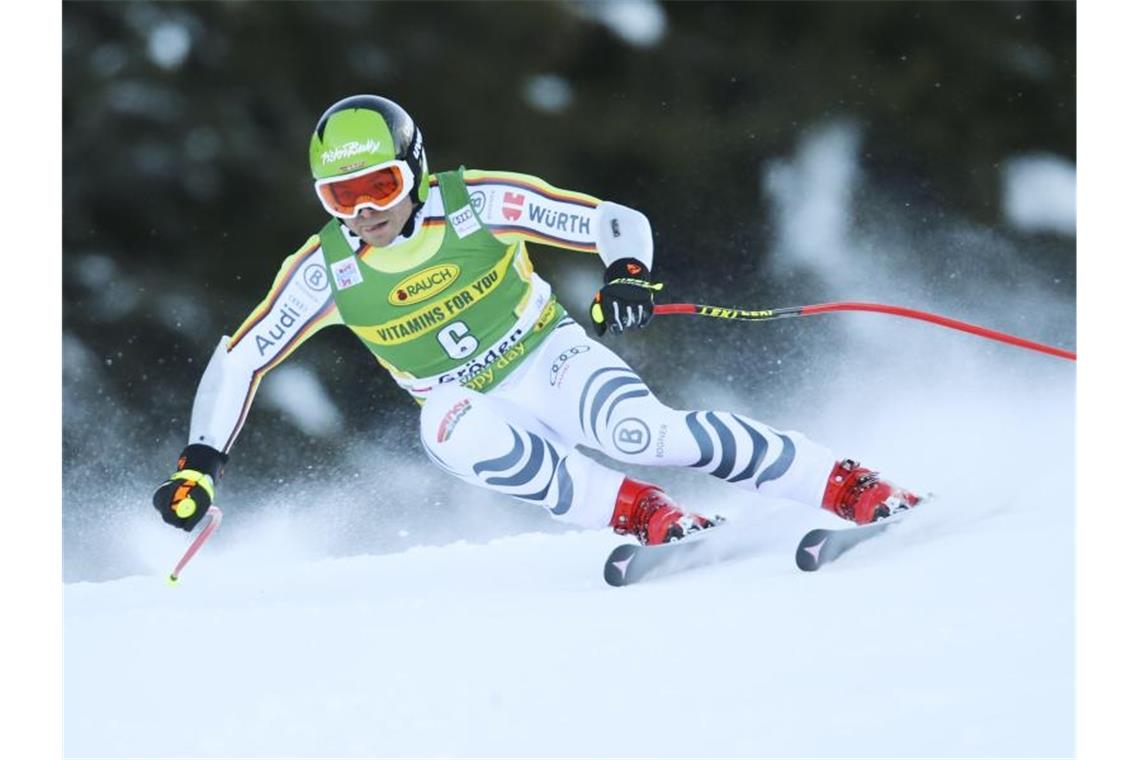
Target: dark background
pixel 186 178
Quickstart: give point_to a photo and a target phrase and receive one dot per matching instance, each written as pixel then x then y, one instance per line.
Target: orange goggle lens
pixel 382 186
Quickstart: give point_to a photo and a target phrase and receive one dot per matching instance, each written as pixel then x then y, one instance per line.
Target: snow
pixel 297 391
pixel 641 23
pixel 169 44
pixel 812 194
pixel 548 93
pixel 952 635
pixel 1040 194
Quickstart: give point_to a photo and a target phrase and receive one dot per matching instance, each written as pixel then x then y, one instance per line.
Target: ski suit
pixel 509 384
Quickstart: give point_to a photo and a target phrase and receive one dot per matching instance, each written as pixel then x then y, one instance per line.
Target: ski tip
pixel 807 555
pixel 617 566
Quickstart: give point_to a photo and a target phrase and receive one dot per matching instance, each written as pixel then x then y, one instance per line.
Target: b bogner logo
pixel 348 150
pixel 631 436
pixel 316 278
pixel 423 285
pixel 346 273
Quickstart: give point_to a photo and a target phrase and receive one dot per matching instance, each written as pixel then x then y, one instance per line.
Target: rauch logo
pixel 423 285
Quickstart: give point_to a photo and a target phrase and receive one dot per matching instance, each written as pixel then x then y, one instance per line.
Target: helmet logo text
pixel 349 149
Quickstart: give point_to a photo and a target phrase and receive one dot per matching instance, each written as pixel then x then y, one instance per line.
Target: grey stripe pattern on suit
pixel 610 385
pixel 528 471
pixel 730 447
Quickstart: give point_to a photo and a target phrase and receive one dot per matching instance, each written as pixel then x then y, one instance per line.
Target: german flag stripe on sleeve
pixel 288 269
pixel 316 322
pixel 244 413
pixel 321 319
pixel 475 178
pixel 509 233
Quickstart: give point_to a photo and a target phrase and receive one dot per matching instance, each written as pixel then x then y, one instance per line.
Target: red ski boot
pixel 647 512
pixel 858 494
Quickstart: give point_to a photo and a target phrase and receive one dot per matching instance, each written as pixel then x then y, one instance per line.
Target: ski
pixel 630 563
pixel 823 545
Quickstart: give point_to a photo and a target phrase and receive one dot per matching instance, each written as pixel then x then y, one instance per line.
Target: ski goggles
pixel 381 187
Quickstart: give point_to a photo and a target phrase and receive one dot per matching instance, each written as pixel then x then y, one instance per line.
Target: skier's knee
pixel 631 430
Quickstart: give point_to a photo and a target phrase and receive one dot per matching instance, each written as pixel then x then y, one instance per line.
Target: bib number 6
pixel 457 340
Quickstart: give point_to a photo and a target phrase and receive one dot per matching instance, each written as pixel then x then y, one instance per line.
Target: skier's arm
pixel 298 305
pixel 518 206
pixel 521 207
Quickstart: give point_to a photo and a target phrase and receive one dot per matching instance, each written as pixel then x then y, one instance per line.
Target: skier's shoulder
pixel 306 263
pixel 310 250
pixel 525 185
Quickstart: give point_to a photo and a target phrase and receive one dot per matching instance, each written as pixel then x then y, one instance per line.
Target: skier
pixel 432 274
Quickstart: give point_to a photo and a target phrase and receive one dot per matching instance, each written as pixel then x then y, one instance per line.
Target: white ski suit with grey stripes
pixel 520 438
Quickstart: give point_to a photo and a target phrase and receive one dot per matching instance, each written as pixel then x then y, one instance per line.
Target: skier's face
pixel 379 228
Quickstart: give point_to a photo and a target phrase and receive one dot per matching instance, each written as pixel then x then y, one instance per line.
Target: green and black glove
pixel 626 300
pixel 184 498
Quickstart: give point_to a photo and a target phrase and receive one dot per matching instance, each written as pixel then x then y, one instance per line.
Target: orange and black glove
pixel 626 300
pixel 184 498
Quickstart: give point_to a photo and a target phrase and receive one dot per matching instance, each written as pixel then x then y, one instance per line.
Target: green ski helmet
pixel 367 151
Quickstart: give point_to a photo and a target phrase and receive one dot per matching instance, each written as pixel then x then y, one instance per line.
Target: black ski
pixel 823 545
pixel 630 563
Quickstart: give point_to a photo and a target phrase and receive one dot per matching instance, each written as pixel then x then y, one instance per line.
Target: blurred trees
pixel 186 124
pixel 186 129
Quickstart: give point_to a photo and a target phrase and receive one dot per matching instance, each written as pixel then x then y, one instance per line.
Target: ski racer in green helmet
pixel 366 154
pixel 433 275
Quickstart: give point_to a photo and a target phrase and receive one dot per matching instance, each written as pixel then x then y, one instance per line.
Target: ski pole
pixel 757 315
pixel 213 520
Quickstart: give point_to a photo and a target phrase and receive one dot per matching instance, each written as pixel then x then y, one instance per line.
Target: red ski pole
pixel 213 520
pixel 756 315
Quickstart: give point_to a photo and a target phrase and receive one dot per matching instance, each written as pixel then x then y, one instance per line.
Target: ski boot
pixel 644 510
pixel 857 494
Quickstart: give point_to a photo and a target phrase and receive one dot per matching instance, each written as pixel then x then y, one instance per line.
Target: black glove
pixel 184 498
pixel 626 300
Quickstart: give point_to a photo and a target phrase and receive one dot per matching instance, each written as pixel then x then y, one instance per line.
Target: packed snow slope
pixel 305 630
pixel 950 635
